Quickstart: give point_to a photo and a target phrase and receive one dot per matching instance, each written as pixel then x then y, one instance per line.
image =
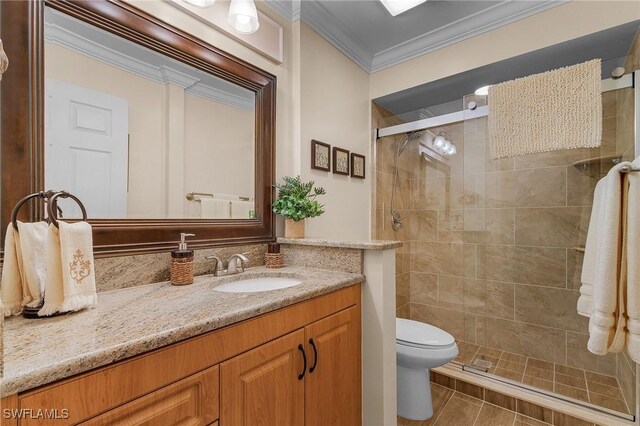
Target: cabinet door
pixel 261 387
pixel 190 402
pixel 332 385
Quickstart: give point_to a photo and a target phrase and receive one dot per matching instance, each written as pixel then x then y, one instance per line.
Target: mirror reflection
pixel 138 135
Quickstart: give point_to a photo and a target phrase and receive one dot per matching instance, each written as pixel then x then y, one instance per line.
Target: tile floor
pixel 452 408
pixel 595 388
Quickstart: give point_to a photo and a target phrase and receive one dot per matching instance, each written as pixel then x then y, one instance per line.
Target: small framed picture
pixel 357 165
pixel 340 161
pixel 320 155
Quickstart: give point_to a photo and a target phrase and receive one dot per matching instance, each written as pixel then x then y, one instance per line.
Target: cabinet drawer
pixel 191 401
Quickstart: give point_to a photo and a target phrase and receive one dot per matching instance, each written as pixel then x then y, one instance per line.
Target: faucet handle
pixel 218 266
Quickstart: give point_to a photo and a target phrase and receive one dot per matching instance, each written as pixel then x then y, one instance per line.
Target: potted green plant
pixel 297 202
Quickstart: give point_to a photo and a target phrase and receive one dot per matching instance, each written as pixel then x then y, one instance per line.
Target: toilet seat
pixel 420 335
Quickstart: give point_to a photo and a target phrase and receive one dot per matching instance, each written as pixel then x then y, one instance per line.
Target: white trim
pixel 160 74
pixel 324 23
pixel 503 13
pixel 636 95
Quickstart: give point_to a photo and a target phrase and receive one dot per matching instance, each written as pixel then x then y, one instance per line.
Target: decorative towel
pixel 71 282
pixel 11 286
pixel 241 209
pixel 632 246
pixel 213 208
pixel 559 109
pixel 602 279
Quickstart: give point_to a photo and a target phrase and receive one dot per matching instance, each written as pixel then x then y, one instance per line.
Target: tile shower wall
pixel 495 247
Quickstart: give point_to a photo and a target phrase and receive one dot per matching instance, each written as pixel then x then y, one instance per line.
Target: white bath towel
pixel 213 208
pixel 602 280
pixel 71 283
pixel 632 245
pixel 555 110
pixel 11 285
pixel 241 209
pixel 33 248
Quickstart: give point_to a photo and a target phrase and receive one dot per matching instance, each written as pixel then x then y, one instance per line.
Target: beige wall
pixel 334 108
pixel 146 100
pixel 219 149
pixel 571 20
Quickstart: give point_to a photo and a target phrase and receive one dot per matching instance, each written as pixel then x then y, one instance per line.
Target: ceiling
pixel 366 32
pixel 445 95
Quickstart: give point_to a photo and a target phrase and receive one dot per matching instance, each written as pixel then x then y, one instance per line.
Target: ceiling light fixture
pixel 243 16
pixel 396 7
pixel 200 3
pixel 482 91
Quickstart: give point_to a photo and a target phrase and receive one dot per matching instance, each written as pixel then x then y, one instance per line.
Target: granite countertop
pixel 353 244
pixel 135 320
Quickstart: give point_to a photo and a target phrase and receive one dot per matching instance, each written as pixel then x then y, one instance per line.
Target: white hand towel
pixel 633 263
pixel 33 248
pixel 11 286
pixel 213 208
pixel 71 283
pixel 241 209
pixel 599 293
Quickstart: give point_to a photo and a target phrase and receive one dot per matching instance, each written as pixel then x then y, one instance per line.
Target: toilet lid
pixel 417 333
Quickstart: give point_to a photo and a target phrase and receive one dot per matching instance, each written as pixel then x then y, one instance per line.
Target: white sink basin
pixel 253 285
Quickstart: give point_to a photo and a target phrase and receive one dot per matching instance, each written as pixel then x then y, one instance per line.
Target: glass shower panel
pixel 525 224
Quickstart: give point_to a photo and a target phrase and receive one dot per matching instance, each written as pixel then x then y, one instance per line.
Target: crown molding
pixel 324 23
pixel 496 16
pixel 160 74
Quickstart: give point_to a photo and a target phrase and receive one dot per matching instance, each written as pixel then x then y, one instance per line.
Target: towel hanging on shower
pixel 554 110
pixel 610 291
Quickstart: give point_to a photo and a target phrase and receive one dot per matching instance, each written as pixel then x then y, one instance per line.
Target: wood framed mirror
pixel 27 162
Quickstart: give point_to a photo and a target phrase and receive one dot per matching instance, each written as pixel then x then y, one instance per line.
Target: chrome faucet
pixel 234 265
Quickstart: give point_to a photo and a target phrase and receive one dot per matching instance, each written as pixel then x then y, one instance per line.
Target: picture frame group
pixel 338 160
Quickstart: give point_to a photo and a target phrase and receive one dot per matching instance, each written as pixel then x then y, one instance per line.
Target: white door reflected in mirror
pixel 132 132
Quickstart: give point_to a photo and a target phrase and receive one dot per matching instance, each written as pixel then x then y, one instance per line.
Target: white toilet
pixel 419 347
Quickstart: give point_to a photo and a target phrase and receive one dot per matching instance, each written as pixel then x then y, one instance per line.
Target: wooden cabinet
pixel 265 386
pixel 310 377
pixel 333 382
pixel 298 365
pixel 190 402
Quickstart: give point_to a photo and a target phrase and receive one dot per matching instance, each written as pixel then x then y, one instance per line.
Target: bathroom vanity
pixel 195 356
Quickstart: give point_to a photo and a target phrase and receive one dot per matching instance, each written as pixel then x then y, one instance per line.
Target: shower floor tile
pixel 576 383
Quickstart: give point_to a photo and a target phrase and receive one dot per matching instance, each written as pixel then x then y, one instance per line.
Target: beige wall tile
pixel 424 225
pixel 437 258
pixel 551 227
pixel 581 184
pixel 424 288
pixel 550 307
pixel 555 158
pixel 500 226
pixel 474 296
pixel 458 411
pixel 490 415
pixel 500 299
pixel 527 265
pixel 541 187
pixel 539 342
pixel 451 292
pixel 627 378
pixel 574 268
pixel 450 225
pixel 402 289
pixel 447 319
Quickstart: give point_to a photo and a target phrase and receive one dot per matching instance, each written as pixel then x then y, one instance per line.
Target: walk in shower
pixel 493 249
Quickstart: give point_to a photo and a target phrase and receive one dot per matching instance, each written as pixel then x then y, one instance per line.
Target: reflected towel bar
pixel 196 196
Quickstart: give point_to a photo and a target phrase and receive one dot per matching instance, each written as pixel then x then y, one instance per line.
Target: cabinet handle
pixel 304 360
pixel 315 355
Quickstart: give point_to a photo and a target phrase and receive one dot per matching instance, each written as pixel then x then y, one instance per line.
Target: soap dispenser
pixel 182 262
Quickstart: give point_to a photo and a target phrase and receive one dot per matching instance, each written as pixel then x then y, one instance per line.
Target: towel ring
pixel 44 195
pixel 52 202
